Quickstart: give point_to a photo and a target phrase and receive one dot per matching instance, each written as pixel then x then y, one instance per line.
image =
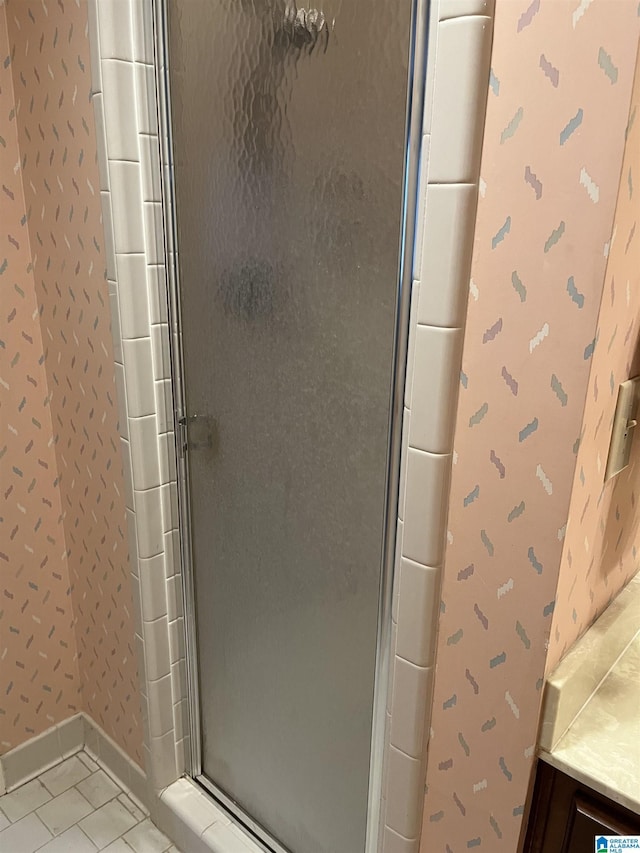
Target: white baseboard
pixel 99 745
pixel 38 754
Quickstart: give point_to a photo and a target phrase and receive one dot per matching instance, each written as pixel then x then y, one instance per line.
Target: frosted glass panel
pixel 289 139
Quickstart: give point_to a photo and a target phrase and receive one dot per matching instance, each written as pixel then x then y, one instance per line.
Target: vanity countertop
pixel 591 714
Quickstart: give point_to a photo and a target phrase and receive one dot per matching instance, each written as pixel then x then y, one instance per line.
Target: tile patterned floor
pixel 76 807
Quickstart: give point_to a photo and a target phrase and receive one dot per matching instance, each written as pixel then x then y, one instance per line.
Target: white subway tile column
pixel 124 98
pixel 458 57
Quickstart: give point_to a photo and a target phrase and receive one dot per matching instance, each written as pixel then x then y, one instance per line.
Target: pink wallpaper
pixel 601 546
pixel 559 95
pixel 39 683
pixel 50 66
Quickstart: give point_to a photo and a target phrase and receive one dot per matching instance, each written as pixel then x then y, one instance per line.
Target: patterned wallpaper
pixel 559 95
pixel 39 683
pixel 602 543
pixel 50 64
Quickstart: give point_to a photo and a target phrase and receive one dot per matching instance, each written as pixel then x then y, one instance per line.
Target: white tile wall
pixel 395 843
pixel 152 592
pixel 457 71
pixel 134 298
pixel 427 477
pixel 148 510
pixel 409 699
pixel 121 33
pixel 459 99
pixel 433 407
pixel 115 30
pixel 120 121
pixel 458 8
pixel 145 462
pixel 405 791
pixel 418 594
pixel 444 264
pixel 126 192
pixel 459 38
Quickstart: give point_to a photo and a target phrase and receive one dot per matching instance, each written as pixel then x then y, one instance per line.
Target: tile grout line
pixel 121 791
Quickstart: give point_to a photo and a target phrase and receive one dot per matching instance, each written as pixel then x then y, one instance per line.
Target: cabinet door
pixel 566 817
pixel 589 820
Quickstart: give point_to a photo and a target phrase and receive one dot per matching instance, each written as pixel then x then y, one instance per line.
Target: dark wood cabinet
pixel 567 816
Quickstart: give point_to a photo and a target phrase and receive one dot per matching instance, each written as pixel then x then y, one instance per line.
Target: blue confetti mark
pixel 513 125
pixel 518 286
pixel 516 511
pixel 559 391
pixel 574 293
pixel 571 126
pixel 606 63
pixel 528 430
pixel 488 544
pixel 505 769
pixel 497 660
pixel 494 826
pixel 501 233
pixel 471 497
pixel 463 744
pixel 526 642
pixel 553 238
pixel 537 565
pixel 479 415
pixel 454 639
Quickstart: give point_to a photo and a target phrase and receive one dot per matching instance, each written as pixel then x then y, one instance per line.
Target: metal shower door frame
pixel 413 137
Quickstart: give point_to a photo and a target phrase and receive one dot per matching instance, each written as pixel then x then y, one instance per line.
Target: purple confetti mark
pixel 528 15
pixel 511 382
pixel 532 179
pixel 483 619
pixel 498 463
pixel 494 330
pixel 550 71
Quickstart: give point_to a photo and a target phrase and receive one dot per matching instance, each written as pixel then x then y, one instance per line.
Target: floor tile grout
pixel 34 803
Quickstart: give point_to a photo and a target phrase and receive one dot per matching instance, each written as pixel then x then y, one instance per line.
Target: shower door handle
pixel 197 432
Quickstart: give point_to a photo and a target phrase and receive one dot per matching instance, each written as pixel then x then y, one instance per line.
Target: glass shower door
pixel 289 144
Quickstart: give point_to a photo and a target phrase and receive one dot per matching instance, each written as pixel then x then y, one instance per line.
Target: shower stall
pixel 289 199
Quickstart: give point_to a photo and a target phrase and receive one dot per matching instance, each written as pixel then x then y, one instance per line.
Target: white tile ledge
pixel 462 8
pixel 195 823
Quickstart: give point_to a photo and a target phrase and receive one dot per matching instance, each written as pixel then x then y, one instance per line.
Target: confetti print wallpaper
pixel 39 683
pixel 560 89
pixel 601 546
pixel 49 63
